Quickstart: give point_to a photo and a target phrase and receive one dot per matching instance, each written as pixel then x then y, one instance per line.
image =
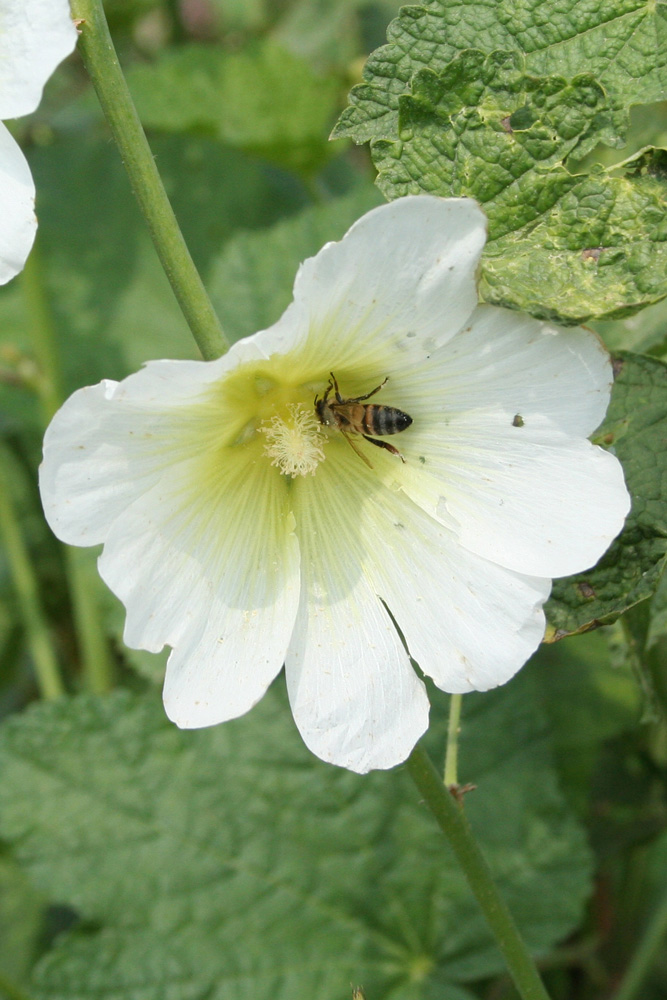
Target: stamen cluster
pixel 294 444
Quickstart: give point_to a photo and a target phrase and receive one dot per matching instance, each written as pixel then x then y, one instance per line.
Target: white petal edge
pixel 18 223
pixel 403 276
pixel 355 697
pixel 529 498
pixel 470 624
pixel 35 36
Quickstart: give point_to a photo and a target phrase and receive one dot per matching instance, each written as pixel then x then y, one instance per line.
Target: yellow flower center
pixel 294 441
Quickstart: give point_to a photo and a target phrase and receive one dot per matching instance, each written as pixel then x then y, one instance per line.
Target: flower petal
pixel 213 573
pixel 497 449
pixel 109 443
pixel 198 537
pixel 35 35
pixel 18 224
pixel 469 623
pixel 528 497
pixel 355 697
pixel 404 275
pixel 506 360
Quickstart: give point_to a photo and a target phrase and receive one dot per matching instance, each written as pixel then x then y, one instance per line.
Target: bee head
pixel 320 408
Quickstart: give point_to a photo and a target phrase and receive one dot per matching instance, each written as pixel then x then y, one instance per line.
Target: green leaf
pixel 498 123
pixel 561 246
pixel 480 98
pixel 623 43
pixel 636 428
pixel 228 862
pixel 263 100
pixel 251 282
pixel 588 701
pixel 599 251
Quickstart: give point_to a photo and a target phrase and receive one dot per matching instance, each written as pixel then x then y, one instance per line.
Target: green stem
pixel 94 651
pixel 93 647
pixel 27 591
pixel 645 954
pixel 452 821
pixel 104 69
pixel 452 752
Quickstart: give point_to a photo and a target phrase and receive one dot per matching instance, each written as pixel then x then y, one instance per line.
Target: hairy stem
pixel 452 752
pixel 100 59
pixel 452 821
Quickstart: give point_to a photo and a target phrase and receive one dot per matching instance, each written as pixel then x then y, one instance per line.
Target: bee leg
pixel 354 448
pixel 360 399
pixel 333 387
pixel 384 444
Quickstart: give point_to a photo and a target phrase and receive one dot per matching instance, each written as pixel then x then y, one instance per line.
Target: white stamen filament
pixel 294 445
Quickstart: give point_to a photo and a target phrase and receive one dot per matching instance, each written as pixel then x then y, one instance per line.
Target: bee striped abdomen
pixel 383 420
pixel 354 416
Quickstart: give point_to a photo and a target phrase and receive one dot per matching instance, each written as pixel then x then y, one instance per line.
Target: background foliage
pixel 140 862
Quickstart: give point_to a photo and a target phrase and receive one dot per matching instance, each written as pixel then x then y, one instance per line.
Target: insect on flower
pixel 354 416
pixel 239 529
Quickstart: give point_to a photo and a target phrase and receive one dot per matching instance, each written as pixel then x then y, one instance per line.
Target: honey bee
pixel 354 416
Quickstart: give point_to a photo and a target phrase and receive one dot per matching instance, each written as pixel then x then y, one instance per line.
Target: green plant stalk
pixel 644 956
pixel 452 751
pixel 27 591
pixel 93 644
pixel 93 647
pixel 453 823
pixel 100 59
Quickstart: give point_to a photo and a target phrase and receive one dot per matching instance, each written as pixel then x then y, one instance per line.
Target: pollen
pixel 294 444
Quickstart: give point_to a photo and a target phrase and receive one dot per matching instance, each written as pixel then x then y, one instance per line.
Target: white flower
pixel 243 530
pixel 35 35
